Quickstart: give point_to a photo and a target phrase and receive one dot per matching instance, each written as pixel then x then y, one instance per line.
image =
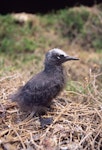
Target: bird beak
pixel 68 58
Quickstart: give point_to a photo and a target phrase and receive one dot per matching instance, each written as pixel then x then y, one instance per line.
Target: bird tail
pixel 15 97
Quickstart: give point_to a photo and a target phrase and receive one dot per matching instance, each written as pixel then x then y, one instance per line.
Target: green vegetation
pixel 73 23
pixel 84 26
pixel 15 37
pixel 22 40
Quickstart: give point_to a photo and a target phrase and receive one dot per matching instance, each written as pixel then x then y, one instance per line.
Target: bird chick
pixel 36 95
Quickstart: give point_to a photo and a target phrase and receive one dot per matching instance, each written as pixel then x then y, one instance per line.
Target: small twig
pixel 8 77
pixel 37 146
pixel 83 140
pixel 19 137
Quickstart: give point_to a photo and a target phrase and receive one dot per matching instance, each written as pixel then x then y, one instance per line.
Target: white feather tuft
pixel 58 51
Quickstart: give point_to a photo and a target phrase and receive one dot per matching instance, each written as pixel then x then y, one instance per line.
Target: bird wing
pixel 40 83
pixel 39 90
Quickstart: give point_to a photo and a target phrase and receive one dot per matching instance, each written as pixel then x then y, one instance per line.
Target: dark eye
pixel 61 56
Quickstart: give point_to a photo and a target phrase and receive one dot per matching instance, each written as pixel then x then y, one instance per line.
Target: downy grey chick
pixel 36 95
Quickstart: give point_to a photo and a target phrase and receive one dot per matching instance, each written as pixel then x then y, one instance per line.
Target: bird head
pixel 57 57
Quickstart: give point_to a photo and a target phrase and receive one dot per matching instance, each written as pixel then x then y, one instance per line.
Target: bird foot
pixel 45 121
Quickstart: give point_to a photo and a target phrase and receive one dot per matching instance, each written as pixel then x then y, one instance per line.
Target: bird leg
pixel 41 110
pixel 45 121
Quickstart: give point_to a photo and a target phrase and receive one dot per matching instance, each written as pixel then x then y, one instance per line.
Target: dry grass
pixel 77 112
pixel 77 120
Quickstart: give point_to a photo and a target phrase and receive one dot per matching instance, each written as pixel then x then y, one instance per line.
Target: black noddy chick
pixel 37 94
